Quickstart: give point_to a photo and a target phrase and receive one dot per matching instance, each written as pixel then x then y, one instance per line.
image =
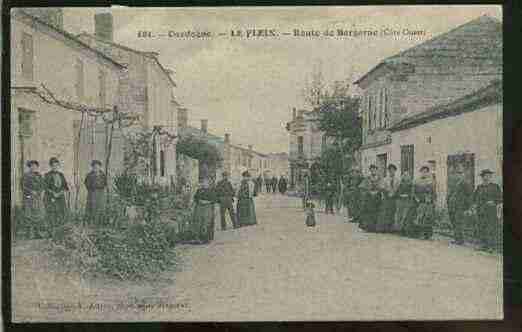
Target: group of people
pixel 53 190
pixel 406 206
pixel 224 195
pixel 272 184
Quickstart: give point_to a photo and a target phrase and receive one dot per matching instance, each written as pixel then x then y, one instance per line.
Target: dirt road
pixel 281 270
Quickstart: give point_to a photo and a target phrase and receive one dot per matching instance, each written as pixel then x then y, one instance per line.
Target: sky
pixel 248 87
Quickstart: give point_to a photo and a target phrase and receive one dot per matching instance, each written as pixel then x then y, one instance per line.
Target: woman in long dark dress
pixel 371 200
pixel 390 185
pixel 96 182
pixel 403 204
pixel 204 214
pixel 55 190
pixel 32 187
pixel 246 211
pixel 487 198
pixel 353 196
pixel 424 198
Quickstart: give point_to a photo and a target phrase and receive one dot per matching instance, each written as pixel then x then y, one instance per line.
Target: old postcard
pixel 256 163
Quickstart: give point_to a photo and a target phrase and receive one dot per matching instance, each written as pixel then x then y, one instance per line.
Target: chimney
pixel 182 117
pixel 204 125
pixel 293 113
pixel 103 27
pixel 227 138
pixel 50 15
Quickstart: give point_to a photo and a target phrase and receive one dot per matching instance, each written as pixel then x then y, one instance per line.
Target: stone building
pixel 42 53
pixel 306 144
pixel 235 158
pixel 438 103
pixel 147 91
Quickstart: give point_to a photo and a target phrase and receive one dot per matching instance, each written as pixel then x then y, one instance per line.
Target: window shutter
pixel 27 56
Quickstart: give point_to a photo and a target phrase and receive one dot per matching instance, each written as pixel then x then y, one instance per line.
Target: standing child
pixel 310 214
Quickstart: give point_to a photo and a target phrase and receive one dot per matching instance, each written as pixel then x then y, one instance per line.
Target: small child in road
pixel 310 213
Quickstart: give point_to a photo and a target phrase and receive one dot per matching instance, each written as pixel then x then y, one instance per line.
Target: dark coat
pixel 95 184
pixel 55 187
pixel 282 185
pixel 225 192
pixel 460 195
pixel 32 186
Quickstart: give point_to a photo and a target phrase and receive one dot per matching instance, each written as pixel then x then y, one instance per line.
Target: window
pixel 102 82
pixel 382 105
pixel 407 162
pixel 300 149
pixel 27 56
pixel 162 163
pixel 374 112
pixel 25 119
pixel 370 115
pixel 386 108
pixel 79 79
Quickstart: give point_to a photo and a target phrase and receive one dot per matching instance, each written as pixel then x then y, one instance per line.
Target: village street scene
pixel 210 173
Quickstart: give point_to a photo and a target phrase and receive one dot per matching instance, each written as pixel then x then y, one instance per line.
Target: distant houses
pixel 438 104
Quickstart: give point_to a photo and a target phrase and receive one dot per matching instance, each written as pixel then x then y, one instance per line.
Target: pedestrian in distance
pixel 96 183
pixel 309 213
pixel 274 184
pixel 424 199
pixel 225 196
pixel 389 191
pixel 459 200
pixel 203 216
pixel 487 199
pixel 352 196
pixel 282 185
pixel 268 184
pixel 329 197
pixel 246 211
pixel 56 189
pixel 259 183
pixel 32 186
pixel 371 193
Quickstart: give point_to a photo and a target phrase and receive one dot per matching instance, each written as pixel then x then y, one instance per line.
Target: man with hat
pixel 225 197
pixel 486 199
pixel 55 190
pixel 458 202
pixel 32 187
pixel 246 213
pixel 371 200
pixel 96 183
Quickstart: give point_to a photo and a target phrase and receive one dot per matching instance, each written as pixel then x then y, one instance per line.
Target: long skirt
pixel 386 215
pixel 403 213
pixel 370 212
pixel 422 224
pixel 489 228
pixel 202 225
pixel 246 212
pixel 353 203
pixel 55 210
pixel 95 207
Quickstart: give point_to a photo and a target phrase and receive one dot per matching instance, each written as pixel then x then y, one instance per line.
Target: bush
pixel 139 252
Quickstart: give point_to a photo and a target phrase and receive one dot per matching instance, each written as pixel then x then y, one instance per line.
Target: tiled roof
pixel 488 95
pixel 70 37
pixel 147 54
pixel 479 39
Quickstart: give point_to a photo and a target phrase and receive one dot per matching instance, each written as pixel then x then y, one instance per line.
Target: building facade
pixel 450 70
pixel 147 91
pixel 306 144
pixel 44 55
